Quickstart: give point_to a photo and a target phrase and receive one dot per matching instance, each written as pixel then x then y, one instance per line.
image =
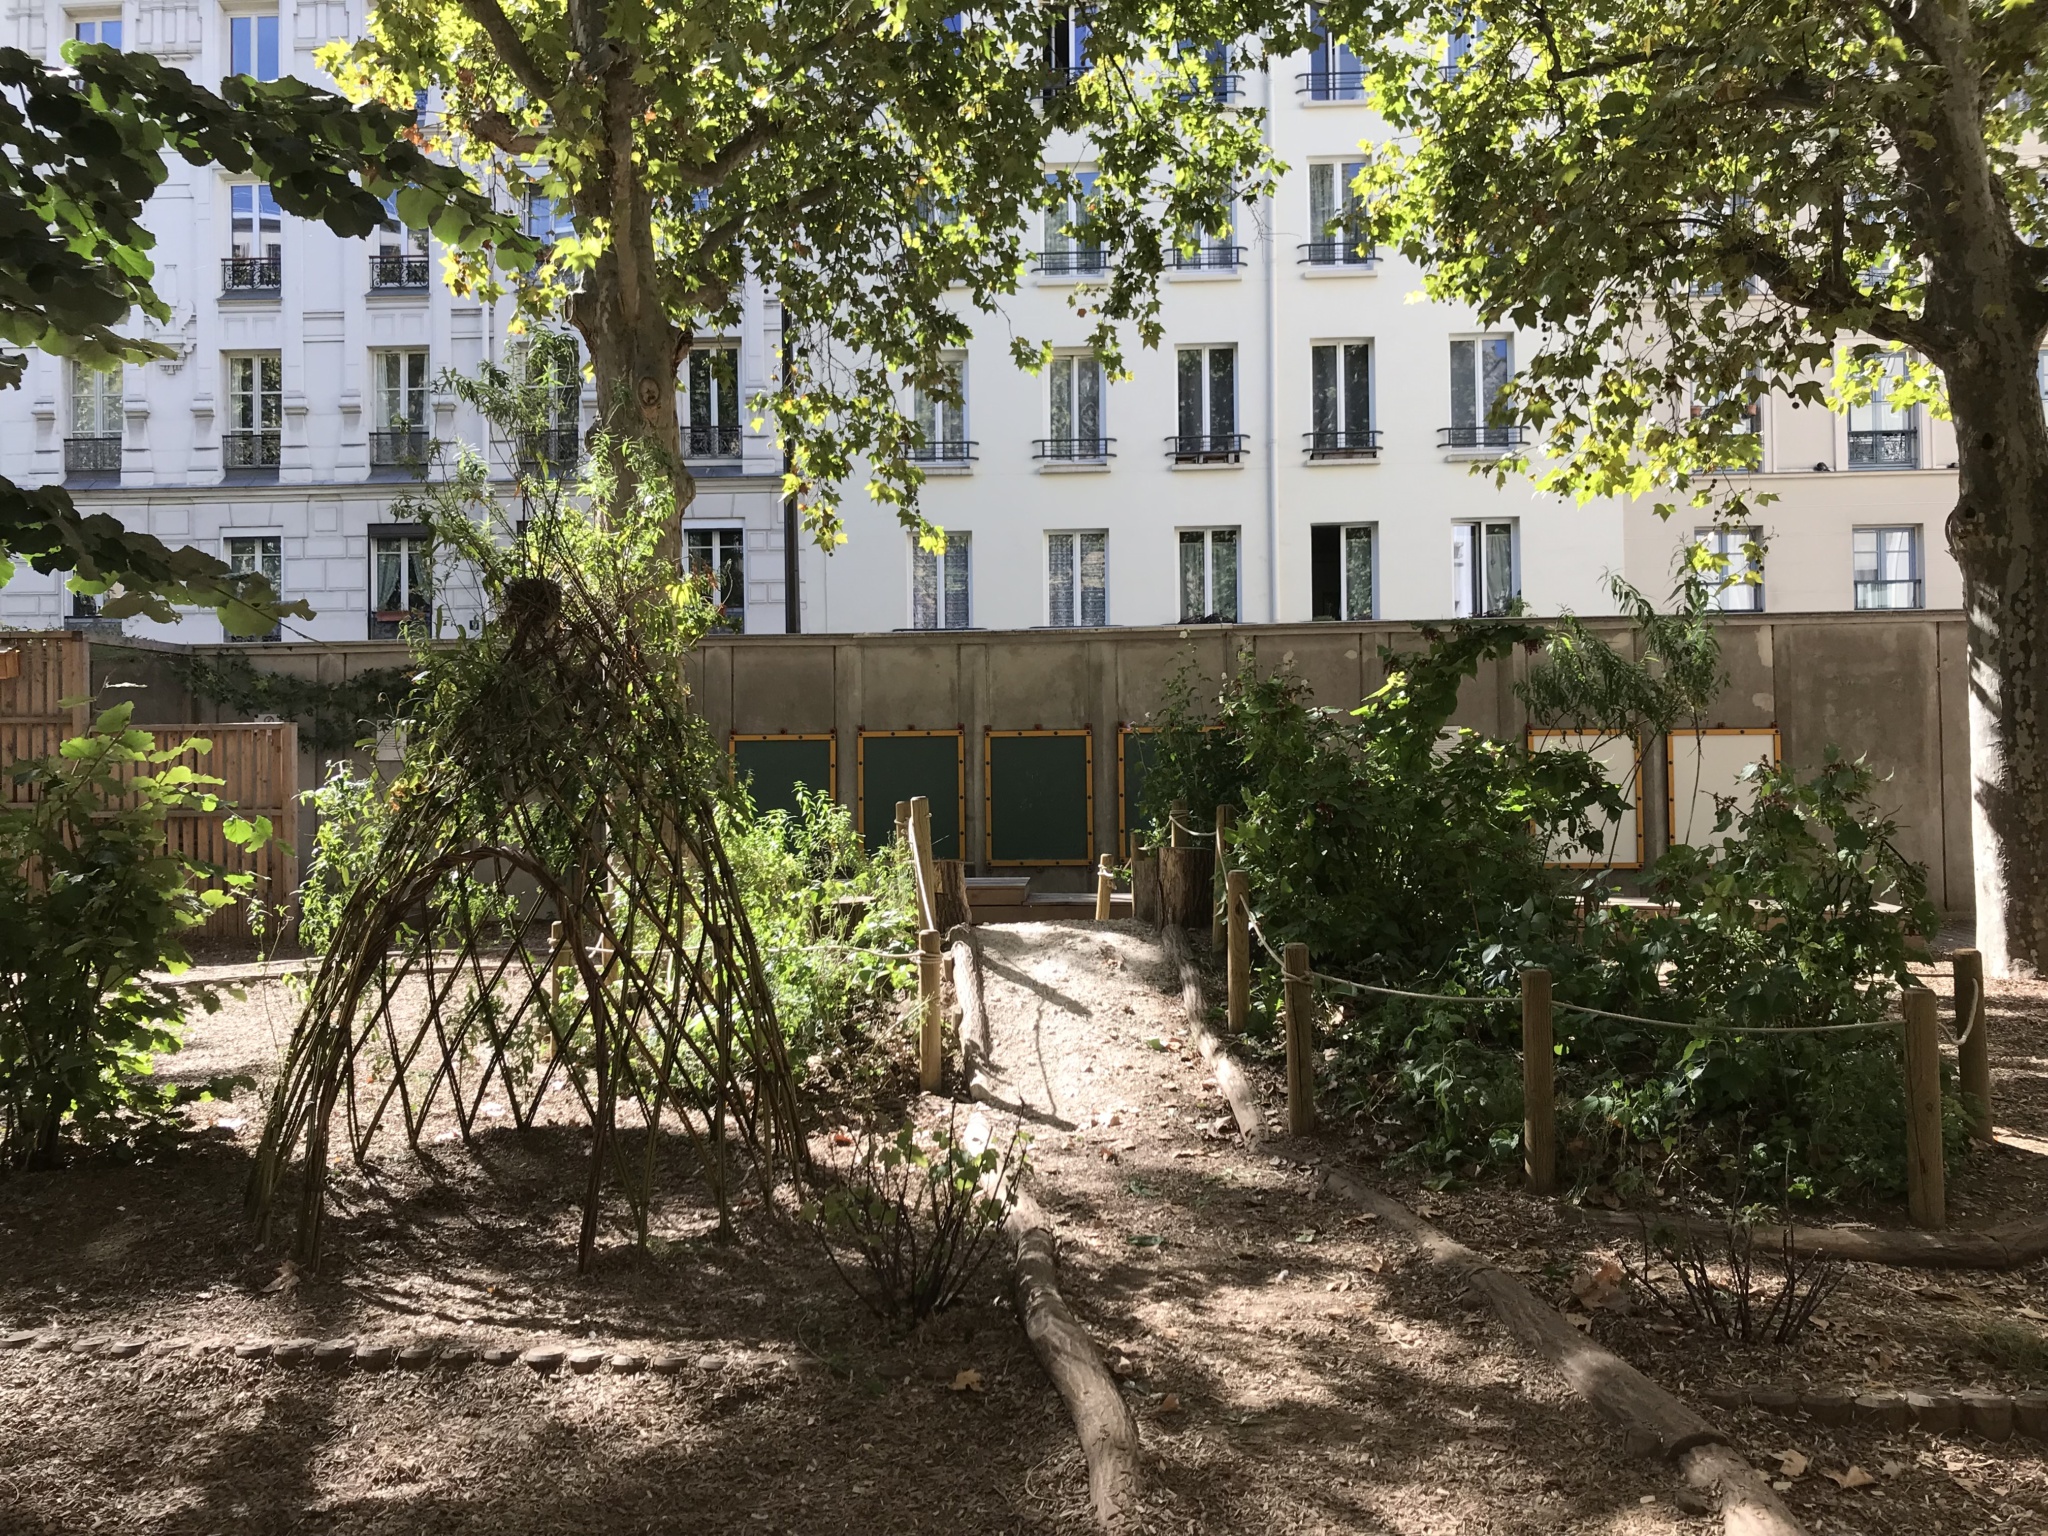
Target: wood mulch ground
pixel 1291 1369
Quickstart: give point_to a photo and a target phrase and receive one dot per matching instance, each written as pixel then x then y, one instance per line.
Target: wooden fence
pixel 257 762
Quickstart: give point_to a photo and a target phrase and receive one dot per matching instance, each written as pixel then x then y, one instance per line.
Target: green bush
pixel 92 901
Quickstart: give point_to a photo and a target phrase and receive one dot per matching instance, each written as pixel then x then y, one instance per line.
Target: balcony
pixel 95 458
pixel 392 623
pixel 1335 253
pixel 1331 85
pixel 251 276
pixel 945 452
pixel 1889 594
pixel 1209 258
pixel 702 441
pixel 249 450
pixel 1073 450
pixel 408 450
pixel 1081 261
pixel 1207 447
pixel 553 451
pixel 398 274
pixel 1341 443
pixel 1884 450
pixel 1478 437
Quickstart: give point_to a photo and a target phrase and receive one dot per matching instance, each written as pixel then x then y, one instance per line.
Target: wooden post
pixel 554 962
pixel 903 822
pixel 1539 1088
pixel 1176 816
pixel 1237 905
pixel 1924 1198
pixel 1105 884
pixel 1186 887
pixel 930 1013
pixel 950 894
pixel 1226 818
pixel 1301 1041
pixel 921 850
pixel 1973 1048
pixel 1145 887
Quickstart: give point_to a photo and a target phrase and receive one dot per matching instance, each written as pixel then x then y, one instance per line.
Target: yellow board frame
pixel 988 793
pixel 733 740
pixel 860 773
pixel 1636 747
pixel 1123 798
pixel 1671 765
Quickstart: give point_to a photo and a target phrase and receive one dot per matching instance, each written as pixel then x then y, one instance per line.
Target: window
pixel 1883 435
pixel 1740 554
pixel 1077 579
pixel 399 436
pixel 93 445
pixel 252 46
pixel 1224 84
pixel 1485 569
pixel 1340 401
pixel 1207 387
pixel 1208 576
pixel 1066 45
pixel 550 382
pixel 1340 572
pixel 1208 249
pixel 1333 72
pixel 1888 568
pixel 400 259
pixel 939 584
pixel 1748 423
pixel 1077 409
pixel 255 411
pixel 105 31
pixel 1071 247
pixel 1336 231
pixel 547 219
pixel 714 404
pixel 1480 370
pixel 255 240
pixel 943 421
pixel 718 558
pixel 1458 50
pixel 259 555
pixel 401 580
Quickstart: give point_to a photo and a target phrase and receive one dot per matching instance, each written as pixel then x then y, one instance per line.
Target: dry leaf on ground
pixel 1855 1477
pixel 1598 1286
pixel 1793 1463
pixel 968 1380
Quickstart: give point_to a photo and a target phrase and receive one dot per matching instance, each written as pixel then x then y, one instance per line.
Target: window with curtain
pixel 1208 576
pixel 940 588
pixel 1336 227
pixel 1741 569
pixel 1207 398
pixel 943 421
pixel 1340 399
pixel 402 390
pixel 1887 562
pixel 1071 246
pixel 718 557
pixel 1485 568
pixel 1077 406
pixel 714 431
pixel 259 555
pixel 1333 72
pixel 1077 579
pixel 401 582
pixel 1340 572
pixel 95 401
pixel 1882 434
pixel 1480 370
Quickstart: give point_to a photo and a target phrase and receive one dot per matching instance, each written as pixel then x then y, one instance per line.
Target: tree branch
pixel 511 47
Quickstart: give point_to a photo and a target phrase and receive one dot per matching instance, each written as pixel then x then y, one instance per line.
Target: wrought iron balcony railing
pixel 249 450
pixel 97 455
pixel 408 448
pixel 711 442
pixel 554 449
pixel 945 450
pixel 1073 450
pixel 1331 85
pixel 1072 262
pixel 1889 594
pixel 1342 443
pixel 1209 258
pixel 1884 450
pixel 400 273
pixel 251 274
pixel 1479 437
pixel 1207 447
pixel 1335 253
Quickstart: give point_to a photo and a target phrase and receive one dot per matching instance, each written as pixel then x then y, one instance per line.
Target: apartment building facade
pixel 1311 441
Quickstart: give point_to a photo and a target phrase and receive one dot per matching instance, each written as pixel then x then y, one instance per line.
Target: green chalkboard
pixel 775 767
pixel 900 766
pixel 1040 805
pixel 1139 750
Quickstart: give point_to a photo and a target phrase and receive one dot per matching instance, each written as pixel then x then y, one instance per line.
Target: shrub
pixel 92 901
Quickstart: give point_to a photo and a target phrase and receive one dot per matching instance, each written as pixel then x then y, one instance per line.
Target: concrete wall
pixel 1889 687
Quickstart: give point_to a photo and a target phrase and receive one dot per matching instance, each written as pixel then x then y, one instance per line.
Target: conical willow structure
pixel 546 902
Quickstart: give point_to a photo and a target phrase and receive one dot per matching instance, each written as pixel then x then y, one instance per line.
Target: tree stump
pixel 1187 882
pixel 949 896
pixel 1145 888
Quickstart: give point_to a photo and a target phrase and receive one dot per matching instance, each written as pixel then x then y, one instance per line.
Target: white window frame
pixel 1071 547
pixel 412 548
pixel 719 435
pixel 1916 578
pixel 724 539
pixel 1207 446
pixel 255 18
pixel 266 406
pixel 238 563
pixel 1346 613
pixel 944 422
pixel 1072 446
pixel 1332 202
pixel 264 238
pixel 1473 593
pixel 103 396
pixel 411 393
pixel 1334 73
pixel 1182 539
pixel 97 19
pixel 1736 596
pixel 1877 419
pixel 958 559
pixel 1341 440
pixel 1064 257
pixel 1480 433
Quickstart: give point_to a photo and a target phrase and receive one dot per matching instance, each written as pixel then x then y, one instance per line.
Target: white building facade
pixel 1303 445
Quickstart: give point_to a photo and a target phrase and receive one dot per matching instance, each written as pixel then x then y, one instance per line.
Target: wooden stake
pixel 921 849
pixel 1226 818
pixel 1176 815
pixel 1237 904
pixel 1539 1087
pixel 554 962
pixel 1105 884
pixel 1973 1047
pixel 1301 1041
pixel 903 822
pixel 929 1062
pixel 1924 1198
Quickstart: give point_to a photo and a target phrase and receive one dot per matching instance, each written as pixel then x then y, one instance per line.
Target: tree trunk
pixel 1187 877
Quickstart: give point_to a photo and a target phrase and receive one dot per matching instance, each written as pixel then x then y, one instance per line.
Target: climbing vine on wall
pixel 331 716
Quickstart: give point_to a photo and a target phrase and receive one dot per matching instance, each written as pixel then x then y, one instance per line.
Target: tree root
pixel 1230 1077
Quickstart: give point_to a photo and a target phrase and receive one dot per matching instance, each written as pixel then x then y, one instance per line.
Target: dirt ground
pixel 1292 1370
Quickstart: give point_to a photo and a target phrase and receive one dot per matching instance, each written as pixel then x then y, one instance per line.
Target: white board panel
pixel 1703 764
pixel 1621 762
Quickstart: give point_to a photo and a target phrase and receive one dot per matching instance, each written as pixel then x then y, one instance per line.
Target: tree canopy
pixel 1698 203
pixel 82 150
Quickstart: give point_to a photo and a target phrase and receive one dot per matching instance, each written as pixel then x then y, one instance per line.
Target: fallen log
pixel 2008 1245
pixel 1230 1077
pixel 1102 1419
pixel 1653 1422
pixel 963 953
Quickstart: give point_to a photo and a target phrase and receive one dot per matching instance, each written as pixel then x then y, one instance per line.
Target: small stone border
pixel 362 1355
pixel 1991 1415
